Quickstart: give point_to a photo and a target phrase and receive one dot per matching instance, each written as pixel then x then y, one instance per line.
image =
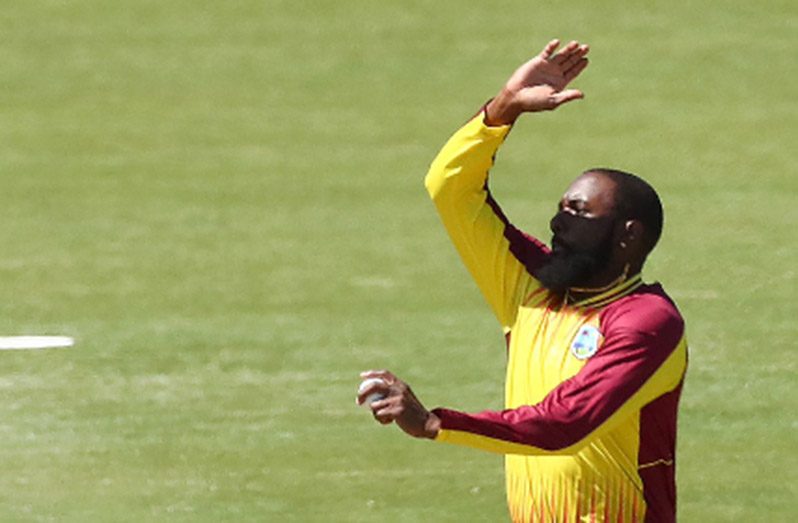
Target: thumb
pixel 566 96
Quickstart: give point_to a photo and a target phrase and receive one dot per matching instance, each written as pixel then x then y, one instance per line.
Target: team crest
pixel 586 343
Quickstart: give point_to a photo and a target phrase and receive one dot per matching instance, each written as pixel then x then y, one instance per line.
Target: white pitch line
pixel 35 342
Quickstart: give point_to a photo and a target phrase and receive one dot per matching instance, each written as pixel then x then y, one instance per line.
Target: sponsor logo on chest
pixel 586 342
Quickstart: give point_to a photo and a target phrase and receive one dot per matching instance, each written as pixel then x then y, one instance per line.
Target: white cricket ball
pixel 375 396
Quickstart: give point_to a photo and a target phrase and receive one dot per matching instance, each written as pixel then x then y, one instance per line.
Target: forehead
pixel 594 191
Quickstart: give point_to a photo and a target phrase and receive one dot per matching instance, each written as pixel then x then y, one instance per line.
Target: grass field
pixel 223 203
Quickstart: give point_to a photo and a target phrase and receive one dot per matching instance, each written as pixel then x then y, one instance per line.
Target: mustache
pixel 561 247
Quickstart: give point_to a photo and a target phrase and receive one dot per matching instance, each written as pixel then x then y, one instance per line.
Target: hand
pixel 539 84
pixel 400 405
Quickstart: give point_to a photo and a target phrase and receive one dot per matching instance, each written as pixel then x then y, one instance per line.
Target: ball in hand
pixel 374 396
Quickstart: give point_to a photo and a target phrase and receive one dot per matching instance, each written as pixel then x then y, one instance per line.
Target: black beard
pixel 573 268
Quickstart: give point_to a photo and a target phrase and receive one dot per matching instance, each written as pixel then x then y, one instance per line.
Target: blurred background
pixel 223 203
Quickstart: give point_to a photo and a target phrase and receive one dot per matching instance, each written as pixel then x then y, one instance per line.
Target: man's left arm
pixel 641 359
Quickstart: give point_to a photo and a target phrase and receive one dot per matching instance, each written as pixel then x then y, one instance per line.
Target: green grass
pixel 222 202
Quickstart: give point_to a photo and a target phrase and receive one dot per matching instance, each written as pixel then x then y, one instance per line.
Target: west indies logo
pixel 586 343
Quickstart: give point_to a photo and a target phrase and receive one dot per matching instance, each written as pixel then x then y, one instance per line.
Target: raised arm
pixel 539 84
pixel 499 257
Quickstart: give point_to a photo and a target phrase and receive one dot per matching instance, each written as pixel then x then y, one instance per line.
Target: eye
pixel 573 207
pixel 577 207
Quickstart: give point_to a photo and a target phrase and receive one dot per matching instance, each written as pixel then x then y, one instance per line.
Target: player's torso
pixel 548 345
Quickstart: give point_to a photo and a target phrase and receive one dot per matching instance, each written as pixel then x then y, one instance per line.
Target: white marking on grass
pixel 35 342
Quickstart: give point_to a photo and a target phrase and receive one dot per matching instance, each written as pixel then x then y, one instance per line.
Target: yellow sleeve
pixel 457 184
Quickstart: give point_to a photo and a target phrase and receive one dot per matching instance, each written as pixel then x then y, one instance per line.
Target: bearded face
pixel 581 248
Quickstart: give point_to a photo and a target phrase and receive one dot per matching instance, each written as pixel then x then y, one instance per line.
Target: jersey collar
pixel 624 288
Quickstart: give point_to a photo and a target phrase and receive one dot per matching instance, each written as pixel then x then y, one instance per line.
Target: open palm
pixel 540 84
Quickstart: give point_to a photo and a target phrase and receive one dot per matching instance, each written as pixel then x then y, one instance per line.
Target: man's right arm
pixel 499 257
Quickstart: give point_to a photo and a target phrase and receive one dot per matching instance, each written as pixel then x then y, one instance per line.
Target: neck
pixel 573 294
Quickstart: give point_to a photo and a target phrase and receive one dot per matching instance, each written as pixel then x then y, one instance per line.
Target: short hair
pixel 636 199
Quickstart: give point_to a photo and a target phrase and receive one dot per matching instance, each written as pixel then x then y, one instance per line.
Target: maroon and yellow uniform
pixel 592 388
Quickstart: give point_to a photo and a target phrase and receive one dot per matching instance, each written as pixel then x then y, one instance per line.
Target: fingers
pixel 574 57
pixel 386 384
pixel 568 56
pixel 396 403
pixel 375 389
pixel 548 51
pixel 385 411
pixel 564 54
pixel 375 384
pixel 574 70
pixel 571 59
pixel 385 375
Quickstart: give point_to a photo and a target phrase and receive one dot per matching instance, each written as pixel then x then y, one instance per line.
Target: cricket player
pixel 595 357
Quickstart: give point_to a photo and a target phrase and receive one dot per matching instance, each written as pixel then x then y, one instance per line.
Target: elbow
pixel 434 182
pixel 442 178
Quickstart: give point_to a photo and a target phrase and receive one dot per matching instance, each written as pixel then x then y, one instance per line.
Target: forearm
pixel 513 431
pixel 462 165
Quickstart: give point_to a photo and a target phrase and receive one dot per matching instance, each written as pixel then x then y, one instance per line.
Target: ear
pixel 632 234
